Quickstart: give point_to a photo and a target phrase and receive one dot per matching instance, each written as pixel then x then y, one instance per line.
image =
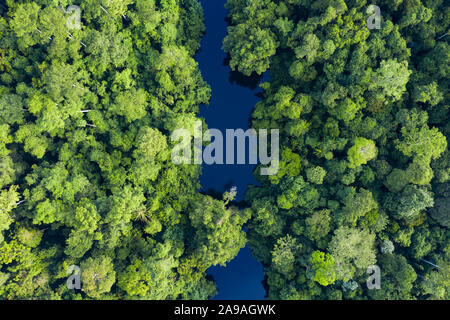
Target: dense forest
pixel 86 175
pixel 87 179
pixel 365 169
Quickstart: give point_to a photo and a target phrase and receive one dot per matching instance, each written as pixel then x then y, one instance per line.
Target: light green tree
pixel 362 151
pixel 324 268
pixel 353 251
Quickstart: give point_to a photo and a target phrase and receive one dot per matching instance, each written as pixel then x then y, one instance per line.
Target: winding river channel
pixel 232 102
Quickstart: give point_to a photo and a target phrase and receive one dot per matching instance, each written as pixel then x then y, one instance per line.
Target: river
pixel 231 105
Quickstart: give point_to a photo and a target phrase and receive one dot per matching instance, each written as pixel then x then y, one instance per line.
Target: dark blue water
pixel 232 102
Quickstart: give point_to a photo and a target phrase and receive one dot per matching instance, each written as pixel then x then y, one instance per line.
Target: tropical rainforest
pixel 87 180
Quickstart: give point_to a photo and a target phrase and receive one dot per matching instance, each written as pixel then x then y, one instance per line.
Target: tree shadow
pixel 251 82
pixel 212 193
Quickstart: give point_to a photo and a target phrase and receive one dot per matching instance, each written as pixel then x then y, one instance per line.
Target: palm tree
pixel 141 215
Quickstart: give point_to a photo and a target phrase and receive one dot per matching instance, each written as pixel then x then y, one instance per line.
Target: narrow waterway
pixel 232 102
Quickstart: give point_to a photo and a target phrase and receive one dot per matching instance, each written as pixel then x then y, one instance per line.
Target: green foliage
pixel 424 142
pixel 8 201
pixel 316 174
pixel 86 176
pixel 437 282
pixel 318 224
pixel 358 205
pixel 324 268
pixel 362 151
pixel 410 202
pixel 26 271
pixel 397 180
pixel 363 116
pixel 387 247
pixel 398 278
pixel 136 279
pixel 97 276
pixel 219 235
pixel 441 210
pixel 85 171
pixel 250 48
pixel 284 256
pixel 353 251
pixel 391 78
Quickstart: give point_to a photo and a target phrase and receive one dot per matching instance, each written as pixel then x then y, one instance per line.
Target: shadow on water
pixel 252 82
pixel 233 99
